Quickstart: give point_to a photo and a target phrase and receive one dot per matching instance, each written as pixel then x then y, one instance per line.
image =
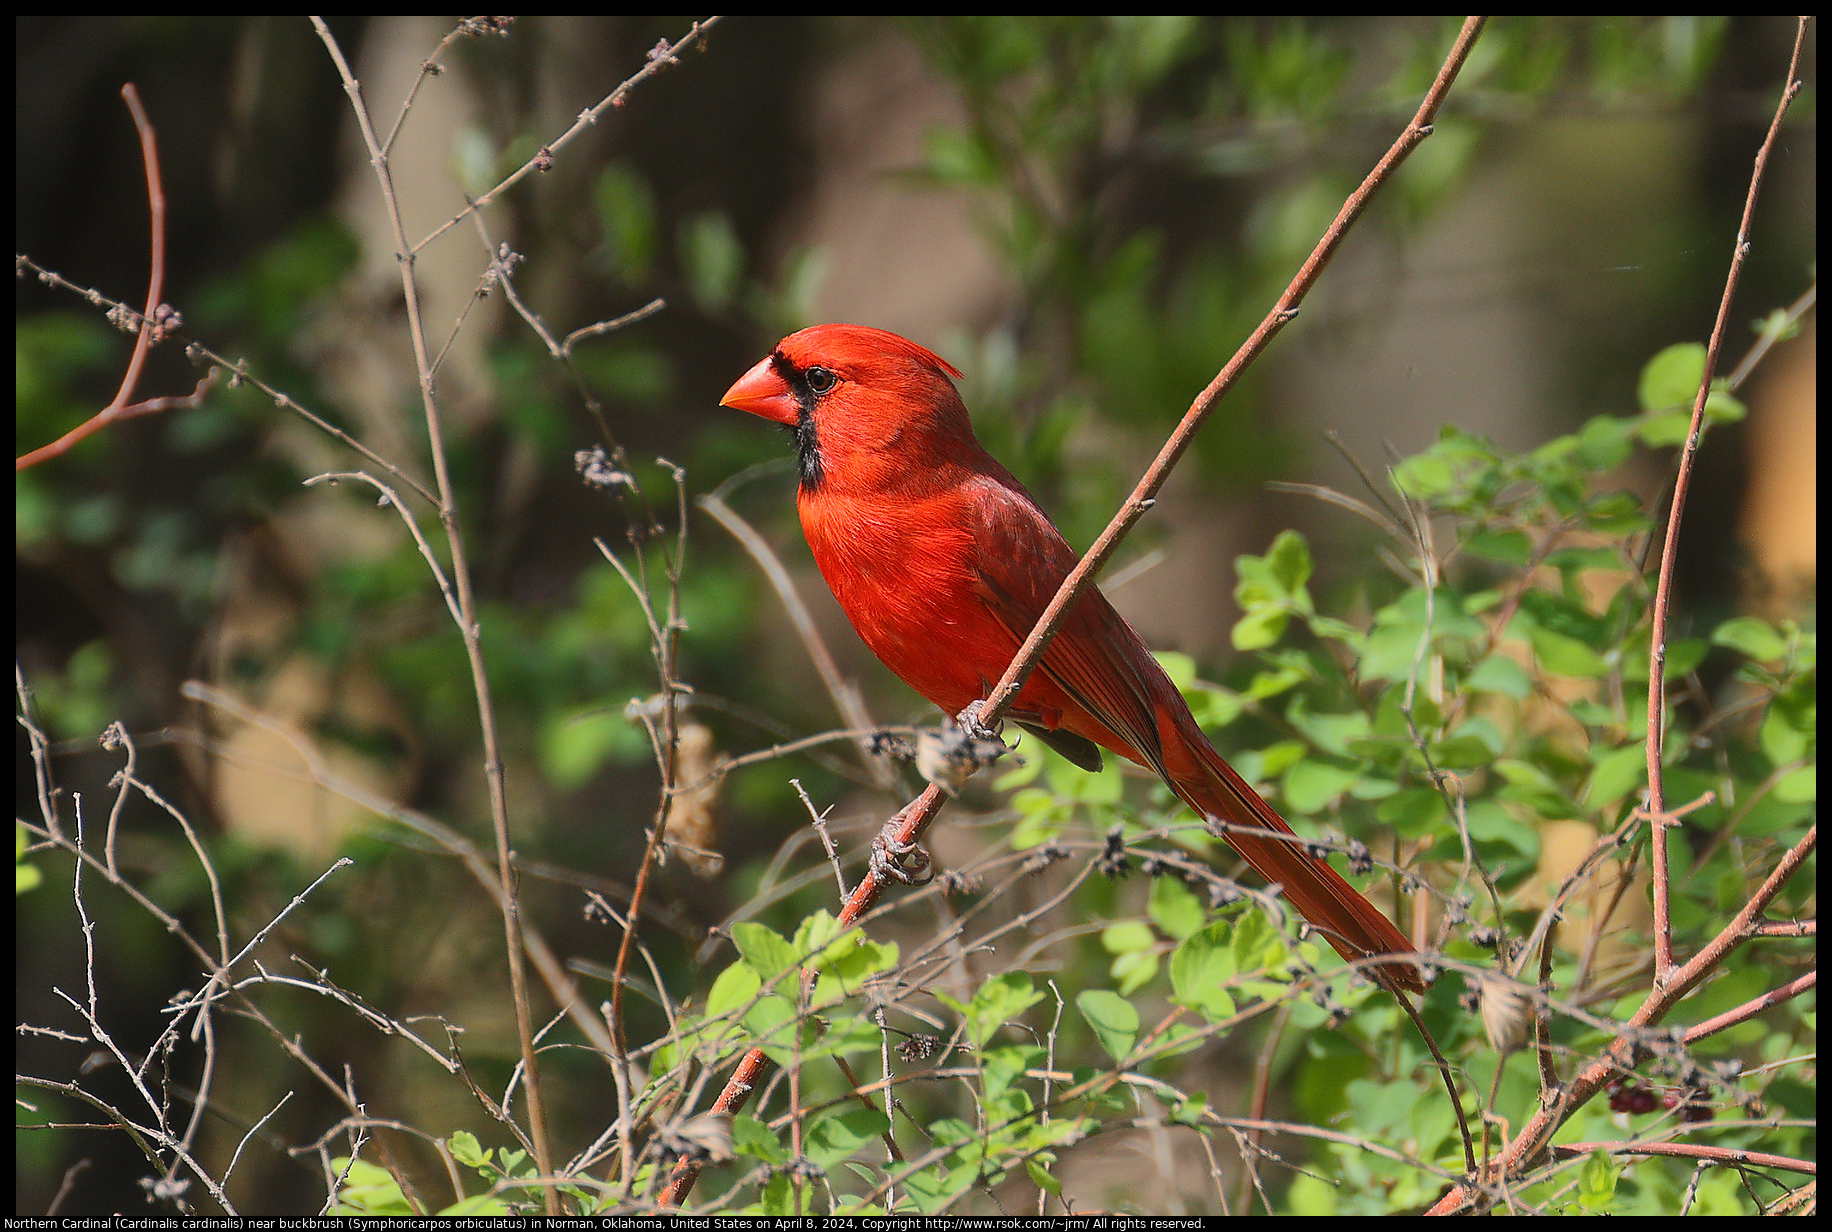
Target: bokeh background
pixel 1085 215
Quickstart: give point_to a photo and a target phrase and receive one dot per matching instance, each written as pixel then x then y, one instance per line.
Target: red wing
pixel 1022 560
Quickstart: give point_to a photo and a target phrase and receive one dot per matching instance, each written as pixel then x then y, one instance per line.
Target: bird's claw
pixel 968 720
pixel 888 856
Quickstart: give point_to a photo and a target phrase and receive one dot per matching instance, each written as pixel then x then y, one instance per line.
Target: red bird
pixel 943 563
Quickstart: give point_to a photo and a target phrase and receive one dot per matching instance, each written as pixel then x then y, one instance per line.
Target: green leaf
pixel 766 950
pixel 1275 759
pixel 1288 560
pixel 834 1137
pixel 1115 1022
pixel 1272 683
pixel 1597 1181
pixel 1310 785
pixel 1175 908
pixel 1127 936
pixel 1780 739
pixel 736 985
pixel 1041 817
pixel 1666 431
pixel 467 1150
pixel 1260 628
pixel 1198 969
pixel 1509 547
pixel 842 977
pixel 1721 407
pixel 777 1198
pixel 1461 753
pixel 1424 476
pixel 367 1190
pixel 1754 637
pixel 1071 782
pixel 576 744
pixel 1672 377
pixel 752 1137
pixel 1000 1067
pixel 1024 771
pixel 1329 732
pixel 1499 674
pixel 1256 945
pixel 1393 643
pixel 1414 812
pixel 1566 656
pixel 1683 654
pixel 772 1022
pixel 1041 1178
pixel 1489 822
pixel 998 1001
pixel 960 157
pixel 1604 443
pixel 1133 971
pixel 1615 513
pixel 1799 786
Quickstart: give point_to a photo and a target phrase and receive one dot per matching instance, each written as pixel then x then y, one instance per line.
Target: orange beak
pixel 762 391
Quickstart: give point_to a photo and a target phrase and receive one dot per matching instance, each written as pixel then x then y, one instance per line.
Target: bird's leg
pixel 888 854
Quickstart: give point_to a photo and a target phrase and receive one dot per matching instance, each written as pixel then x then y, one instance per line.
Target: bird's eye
pixel 820 380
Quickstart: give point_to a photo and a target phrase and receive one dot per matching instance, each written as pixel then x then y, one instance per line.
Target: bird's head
pixel 859 400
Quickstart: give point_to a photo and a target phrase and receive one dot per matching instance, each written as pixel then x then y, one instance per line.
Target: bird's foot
pixel 968 720
pixel 889 857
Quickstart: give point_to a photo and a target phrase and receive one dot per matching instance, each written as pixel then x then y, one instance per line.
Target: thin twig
pixel 467 619
pixel 820 825
pixel 587 118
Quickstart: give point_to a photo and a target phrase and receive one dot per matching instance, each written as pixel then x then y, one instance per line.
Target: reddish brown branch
pixel 908 826
pixel 1669 549
pixel 1687 1150
pixel 1749 1009
pixel 152 321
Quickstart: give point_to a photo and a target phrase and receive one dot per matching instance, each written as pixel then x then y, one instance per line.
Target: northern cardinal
pixel 943 563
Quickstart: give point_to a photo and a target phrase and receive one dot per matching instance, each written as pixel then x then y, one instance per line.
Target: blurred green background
pixel 1085 215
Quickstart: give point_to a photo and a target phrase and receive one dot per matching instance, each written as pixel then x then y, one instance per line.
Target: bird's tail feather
pixel 1352 924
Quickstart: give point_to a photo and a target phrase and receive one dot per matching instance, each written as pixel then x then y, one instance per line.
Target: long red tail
pixel 1350 923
